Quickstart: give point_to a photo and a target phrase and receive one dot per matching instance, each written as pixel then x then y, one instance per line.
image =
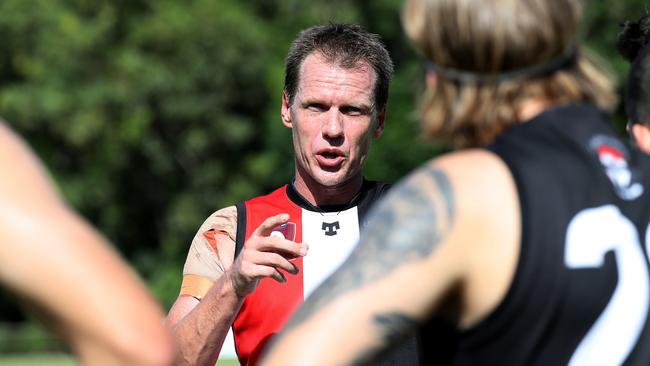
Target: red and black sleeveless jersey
pixel 331 232
pixel 581 290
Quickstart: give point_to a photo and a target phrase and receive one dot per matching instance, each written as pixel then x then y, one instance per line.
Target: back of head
pixel 632 44
pixel 492 56
pixel 344 45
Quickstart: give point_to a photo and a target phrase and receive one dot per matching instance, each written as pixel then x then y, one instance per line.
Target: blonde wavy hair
pixel 490 37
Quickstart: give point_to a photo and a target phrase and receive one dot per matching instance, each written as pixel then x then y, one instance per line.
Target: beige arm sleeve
pixel 211 253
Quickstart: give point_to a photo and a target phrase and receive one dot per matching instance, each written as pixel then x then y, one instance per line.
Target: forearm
pixel 119 324
pixel 373 318
pixel 201 333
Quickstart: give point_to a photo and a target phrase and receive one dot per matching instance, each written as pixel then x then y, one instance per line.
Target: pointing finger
pixel 271 222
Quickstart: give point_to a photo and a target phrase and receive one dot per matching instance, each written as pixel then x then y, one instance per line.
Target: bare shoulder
pixel 471 184
pixel 26 182
pixel 467 193
pixel 28 198
pixel 483 186
pixel 466 167
pixel 488 230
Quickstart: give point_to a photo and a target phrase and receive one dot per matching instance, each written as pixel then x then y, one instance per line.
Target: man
pixel 248 265
pixel 533 250
pixel 67 272
pixel 632 44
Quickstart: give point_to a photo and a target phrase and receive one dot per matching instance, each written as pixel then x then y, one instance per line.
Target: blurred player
pixel 62 268
pixel 532 246
pixel 632 44
pixel 247 266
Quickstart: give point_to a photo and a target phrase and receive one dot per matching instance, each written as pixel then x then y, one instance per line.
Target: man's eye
pixel 316 107
pixel 352 111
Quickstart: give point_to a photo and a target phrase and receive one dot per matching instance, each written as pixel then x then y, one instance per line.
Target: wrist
pixel 231 286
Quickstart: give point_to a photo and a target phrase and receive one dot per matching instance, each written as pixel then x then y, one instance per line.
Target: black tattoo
pixel 406 226
pixel 392 327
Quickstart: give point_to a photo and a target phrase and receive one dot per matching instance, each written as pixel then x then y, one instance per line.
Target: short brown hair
pixel 491 38
pixel 346 45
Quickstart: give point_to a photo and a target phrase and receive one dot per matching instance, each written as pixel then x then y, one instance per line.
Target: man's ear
pixel 379 126
pixel 285 112
pixel 641 134
pixel 431 79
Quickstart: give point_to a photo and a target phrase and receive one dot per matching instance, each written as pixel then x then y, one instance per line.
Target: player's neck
pixel 319 195
pixel 531 107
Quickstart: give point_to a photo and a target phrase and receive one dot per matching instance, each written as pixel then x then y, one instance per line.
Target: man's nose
pixel 333 125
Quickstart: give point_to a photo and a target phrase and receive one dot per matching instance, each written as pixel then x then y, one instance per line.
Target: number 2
pixel 590 235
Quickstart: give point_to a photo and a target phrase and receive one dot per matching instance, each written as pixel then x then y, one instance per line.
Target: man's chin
pixel 332 179
pixel 330 169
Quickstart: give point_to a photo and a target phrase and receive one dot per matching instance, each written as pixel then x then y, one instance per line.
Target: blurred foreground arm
pixel 52 258
pixel 397 246
pixel 428 245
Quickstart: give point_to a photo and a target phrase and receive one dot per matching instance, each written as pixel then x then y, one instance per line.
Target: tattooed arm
pixel 406 264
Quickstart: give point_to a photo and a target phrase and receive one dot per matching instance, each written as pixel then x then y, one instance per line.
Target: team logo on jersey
pixel 613 156
pixel 285 231
pixel 330 229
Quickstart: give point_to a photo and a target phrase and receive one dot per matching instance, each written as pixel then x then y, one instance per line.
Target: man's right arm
pixel 200 326
pixel 215 283
pixel 207 304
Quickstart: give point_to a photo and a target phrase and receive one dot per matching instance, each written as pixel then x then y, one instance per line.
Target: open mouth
pixel 330 159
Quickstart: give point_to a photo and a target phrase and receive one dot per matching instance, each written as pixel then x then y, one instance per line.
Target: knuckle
pixel 275 258
pixel 245 257
pixel 250 243
pixel 274 240
pixel 270 258
pixel 247 268
pixel 268 271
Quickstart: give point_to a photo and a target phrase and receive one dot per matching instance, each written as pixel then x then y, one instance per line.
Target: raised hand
pixel 264 255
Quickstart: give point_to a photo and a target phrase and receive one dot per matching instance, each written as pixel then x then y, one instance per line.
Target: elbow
pixel 136 348
pixel 159 357
pixel 158 350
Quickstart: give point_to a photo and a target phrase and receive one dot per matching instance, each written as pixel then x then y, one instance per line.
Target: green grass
pixel 55 359
pixel 60 359
pixel 226 363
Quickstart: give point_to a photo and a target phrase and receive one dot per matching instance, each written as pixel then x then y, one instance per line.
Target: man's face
pixel 333 120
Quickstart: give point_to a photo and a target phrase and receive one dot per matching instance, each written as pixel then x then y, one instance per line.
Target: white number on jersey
pixel 590 235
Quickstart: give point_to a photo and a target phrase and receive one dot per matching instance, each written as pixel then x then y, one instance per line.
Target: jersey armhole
pixel 491 324
pixel 240 235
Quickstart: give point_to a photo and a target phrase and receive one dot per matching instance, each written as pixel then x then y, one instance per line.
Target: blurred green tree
pixel 152 114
